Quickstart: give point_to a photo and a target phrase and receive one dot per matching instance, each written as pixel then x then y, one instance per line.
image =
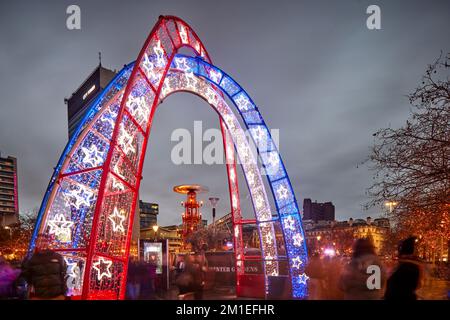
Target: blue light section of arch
pixel 116 83
pixel 286 204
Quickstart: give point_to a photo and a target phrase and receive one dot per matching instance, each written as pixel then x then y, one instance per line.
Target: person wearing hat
pixel 407 277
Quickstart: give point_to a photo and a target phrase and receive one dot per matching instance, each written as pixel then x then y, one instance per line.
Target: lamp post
pixel 390 205
pixel 155 229
pixel 10 231
pixel 213 202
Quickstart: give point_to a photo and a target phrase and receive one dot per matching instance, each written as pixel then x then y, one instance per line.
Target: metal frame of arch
pixel 88 209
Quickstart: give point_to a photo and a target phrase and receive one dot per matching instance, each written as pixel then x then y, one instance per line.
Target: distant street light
pixel 155 229
pixel 390 205
pixel 214 201
pixel 10 231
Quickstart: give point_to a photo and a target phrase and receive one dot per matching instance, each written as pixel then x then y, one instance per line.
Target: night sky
pixel 312 67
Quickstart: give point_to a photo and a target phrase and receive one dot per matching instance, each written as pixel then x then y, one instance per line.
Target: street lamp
pixel 10 231
pixel 214 201
pixel 155 229
pixel 390 205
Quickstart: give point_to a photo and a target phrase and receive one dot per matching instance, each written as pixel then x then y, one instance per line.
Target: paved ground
pixel 434 290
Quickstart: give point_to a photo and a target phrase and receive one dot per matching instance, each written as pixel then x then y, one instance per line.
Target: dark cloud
pixel 312 67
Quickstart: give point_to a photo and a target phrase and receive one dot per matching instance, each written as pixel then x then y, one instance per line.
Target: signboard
pixel 153 252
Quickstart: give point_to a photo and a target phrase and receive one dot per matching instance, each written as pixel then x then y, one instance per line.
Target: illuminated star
pixel 303 278
pixel 116 184
pixel 81 195
pixel 259 134
pixel 298 239
pixel 190 79
pixel 118 216
pixel 282 192
pixel 137 107
pixel 159 51
pixel 289 223
pixel 60 227
pixel 181 63
pixel 273 160
pixel 215 75
pixel 99 267
pixel 297 262
pixel 183 34
pixel 242 102
pixel 126 141
pixel 92 156
pixel 71 269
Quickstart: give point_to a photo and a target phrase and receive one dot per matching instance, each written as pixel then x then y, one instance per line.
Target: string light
pixel 92 156
pixel 116 216
pixel 103 272
pixel 60 227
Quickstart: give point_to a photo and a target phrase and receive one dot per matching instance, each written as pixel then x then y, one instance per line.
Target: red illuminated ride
pixel 191 217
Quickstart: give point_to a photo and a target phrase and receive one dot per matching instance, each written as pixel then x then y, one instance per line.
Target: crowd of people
pixel 331 278
pixel 44 276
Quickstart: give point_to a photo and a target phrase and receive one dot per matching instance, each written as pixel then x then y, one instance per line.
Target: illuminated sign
pixel 89 92
pixel 153 254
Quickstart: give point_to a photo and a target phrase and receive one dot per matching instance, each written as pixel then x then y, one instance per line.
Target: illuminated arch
pixel 88 209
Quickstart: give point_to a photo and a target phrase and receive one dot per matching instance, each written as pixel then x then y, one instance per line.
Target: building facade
pixel 80 100
pixel 148 214
pixel 9 202
pixel 340 235
pixel 316 211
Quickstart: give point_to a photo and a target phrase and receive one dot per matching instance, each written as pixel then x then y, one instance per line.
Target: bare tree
pixel 411 164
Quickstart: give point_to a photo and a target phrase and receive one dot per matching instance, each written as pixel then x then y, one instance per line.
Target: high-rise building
pixel 78 103
pixel 318 211
pixel 148 214
pixel 9 203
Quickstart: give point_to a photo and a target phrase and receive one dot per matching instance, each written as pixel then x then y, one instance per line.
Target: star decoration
pixel 282 192
pixel 273 160
pixel 82 196
pixel 60 227
pixel 126 141
pixel 297 262
pixel 159 51
pixel 215 75
pixel 191 80
pixel 117 226
pixel 92 156
pixel 298 239
pixel 137 107
pixel 108 120
pixel 181 63
pixel 259 134
pixel 71 269
pixel 303 278
pixel 242 102
pixel 117 185
pixel 101 272
pixel 183 34
pixel 289 223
